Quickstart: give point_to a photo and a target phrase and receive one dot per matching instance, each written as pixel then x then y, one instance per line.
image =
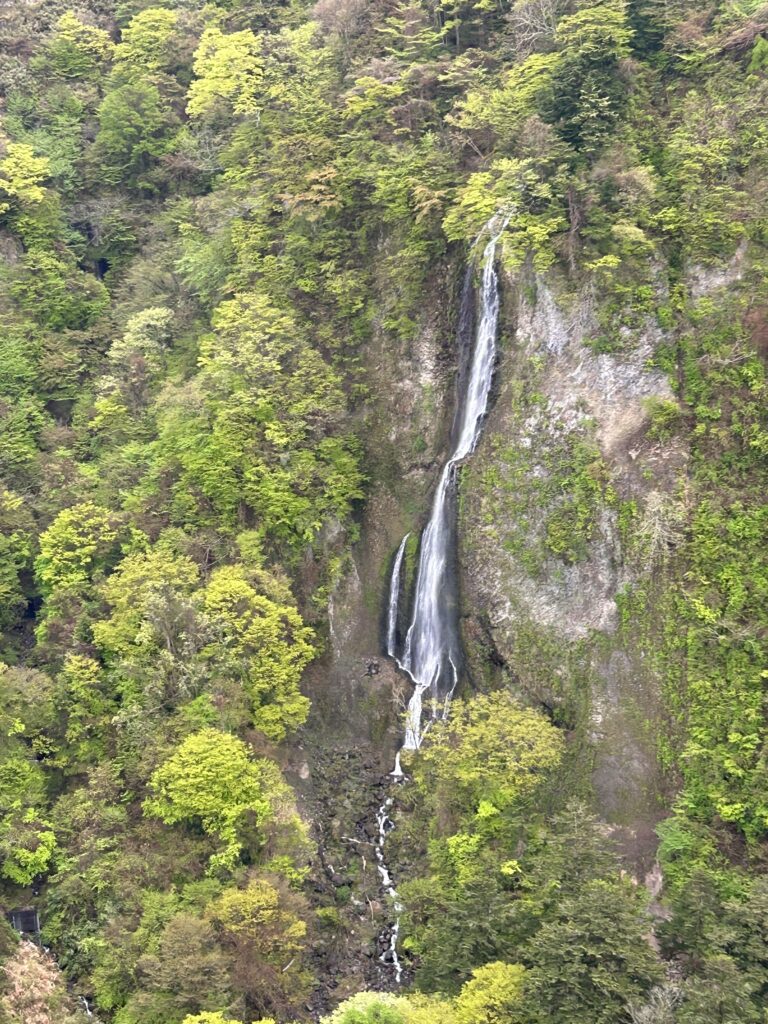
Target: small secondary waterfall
pixel 394 598
pixel 432 649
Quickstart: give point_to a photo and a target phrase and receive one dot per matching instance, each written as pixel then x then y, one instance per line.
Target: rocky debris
pixel 35 992
pixel 702 280
pixel 347 788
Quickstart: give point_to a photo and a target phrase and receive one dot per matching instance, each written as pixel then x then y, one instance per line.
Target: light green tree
pixel 266 937
pixel 136 358
pixel 386 1008
pixel 219 1018
pixel 82 697
pixel 142 580
pixel 183 971
pixel 491 750
pixel 229 71
pixel 215 1018
pixel 27 706
pixel 16 533
pixel 136 127
pixel 525 89
pixel 54 292
pixel 263 642
pixel 589 94
pixel 146 42
pixel 78 50
pixel 369 1008
pixel 21 177
pixel 604 928
pixel 73 547
pixel 27 844
pixel 493 995
pixel 212 778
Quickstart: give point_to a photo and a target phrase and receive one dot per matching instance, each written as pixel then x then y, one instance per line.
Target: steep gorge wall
pixel 566 451
pixel 574 499
pixel 340 767
pixel 405 423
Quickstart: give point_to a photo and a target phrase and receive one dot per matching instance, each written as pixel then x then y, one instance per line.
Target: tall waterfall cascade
pixel 431 653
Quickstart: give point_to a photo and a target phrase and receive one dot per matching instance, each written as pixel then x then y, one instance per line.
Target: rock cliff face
pixel 348 746
pixel 568 454
pixel 568 457
pixel 355 691
pixel 576 495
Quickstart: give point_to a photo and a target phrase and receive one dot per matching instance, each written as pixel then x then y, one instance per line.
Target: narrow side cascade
pixel 394 598
pixel 432 652
pixel 432 649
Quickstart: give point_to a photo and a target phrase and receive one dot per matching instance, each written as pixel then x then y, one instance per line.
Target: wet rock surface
pixel 552 617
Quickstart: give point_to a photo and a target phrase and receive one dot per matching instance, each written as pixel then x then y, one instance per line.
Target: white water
pixel 432 647
pixel 432 651
pixel 385 825
pixel 394 598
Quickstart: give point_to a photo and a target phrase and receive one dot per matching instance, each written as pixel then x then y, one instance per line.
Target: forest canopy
pixel 216 220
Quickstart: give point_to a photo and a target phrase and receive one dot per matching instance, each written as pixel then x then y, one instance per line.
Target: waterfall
pixel 394 598
pixel 385 824
pixel 432 653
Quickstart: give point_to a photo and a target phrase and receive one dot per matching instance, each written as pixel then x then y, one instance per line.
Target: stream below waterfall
pixel 431 654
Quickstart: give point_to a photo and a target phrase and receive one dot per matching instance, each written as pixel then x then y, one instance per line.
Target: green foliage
pixel 27 844
pixel 142 580
pixel 526 89
pixel 216 219
pixel 83 698
pixel 136 128
pixel 719 992
pixel 269 641
pixel 528 193
pixel 489 756
pixel 213 1018
pixel 186 972
pixel 477 775
pixel 52 291
pixel 269 435
pixel 758 61
pixel 385 1008
pixel 211 778
pixel 721 749
pixel 266 939
pixel 664 417
pixel 494 995
pixel 589 94
pixel 77 50
pixel 709 204
pixel 368 1008
pixel 75 546
pixel 21 174
pixel 228 73
pixel 610 963
pixel 571 525
pixel 169 639
pixel 15 554
pixel 146 42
